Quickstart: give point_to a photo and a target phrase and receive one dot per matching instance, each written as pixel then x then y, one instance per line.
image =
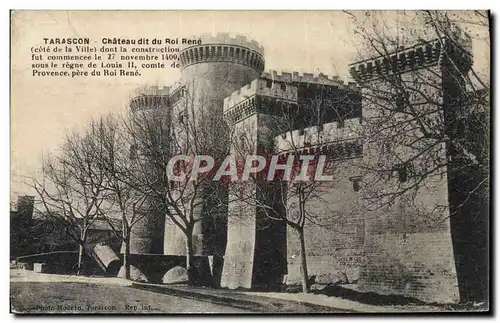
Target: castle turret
pixel 146 236
pixel 211 70
pixel 216 68
pixel 256 248
pixel 408 245
pixel 263 115
pixel 220 65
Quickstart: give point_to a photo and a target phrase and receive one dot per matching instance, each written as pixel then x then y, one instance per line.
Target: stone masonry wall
pixel 334 247
pixel 416 265
pixel 408 248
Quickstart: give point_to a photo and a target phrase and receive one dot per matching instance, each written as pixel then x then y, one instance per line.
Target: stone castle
pixel 383 251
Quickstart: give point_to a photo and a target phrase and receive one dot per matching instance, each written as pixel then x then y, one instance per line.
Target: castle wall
pixel 326 243
pixel 174 239
pixel 408 248
pixel 402 248
pixel 241 226
pixel 334 242
pixel 240 248
pixel 255 253
pixel 213 81
pixel 147 234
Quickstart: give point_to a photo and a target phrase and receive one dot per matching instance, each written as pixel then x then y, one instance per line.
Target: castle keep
pixel 387 251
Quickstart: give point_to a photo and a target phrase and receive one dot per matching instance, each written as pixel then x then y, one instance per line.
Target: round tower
pixel 220 65
pixel 212 69
pixel 149 107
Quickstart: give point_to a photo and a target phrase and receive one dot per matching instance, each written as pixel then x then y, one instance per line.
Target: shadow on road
pixel 367 297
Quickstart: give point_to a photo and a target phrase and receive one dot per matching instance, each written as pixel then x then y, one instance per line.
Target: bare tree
pixel 427 117
pixel 189 128
pixel 70 189
pixel 123 200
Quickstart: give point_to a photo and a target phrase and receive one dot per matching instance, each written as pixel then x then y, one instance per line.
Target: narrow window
pixel 269 83
pixel 283 86
pixel 401 102
pixel 402 174
pixel 356 183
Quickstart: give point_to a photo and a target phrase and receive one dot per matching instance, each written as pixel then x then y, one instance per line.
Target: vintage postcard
pixel 250 162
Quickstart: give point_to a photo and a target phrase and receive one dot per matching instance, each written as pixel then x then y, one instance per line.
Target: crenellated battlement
pixel 314 136
pixel 282 85
pixel 224 48
pixel 149 101
pixel 163 89
pixel 296 77
pixel 228 39
pixel 261 87
pixel 241 95
pixel 418 56
pixel 150 97
pixel 153 90
pixel 274 93
pixel 256 96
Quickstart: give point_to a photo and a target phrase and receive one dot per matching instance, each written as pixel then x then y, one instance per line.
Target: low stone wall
pixel 61 262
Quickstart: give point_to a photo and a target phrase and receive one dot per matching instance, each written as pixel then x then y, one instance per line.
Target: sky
pixel 44 108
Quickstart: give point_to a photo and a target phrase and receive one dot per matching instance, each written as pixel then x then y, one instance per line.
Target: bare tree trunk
pixel 126 256
pixel 303 261
pixel 80 258
pixel 189 258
